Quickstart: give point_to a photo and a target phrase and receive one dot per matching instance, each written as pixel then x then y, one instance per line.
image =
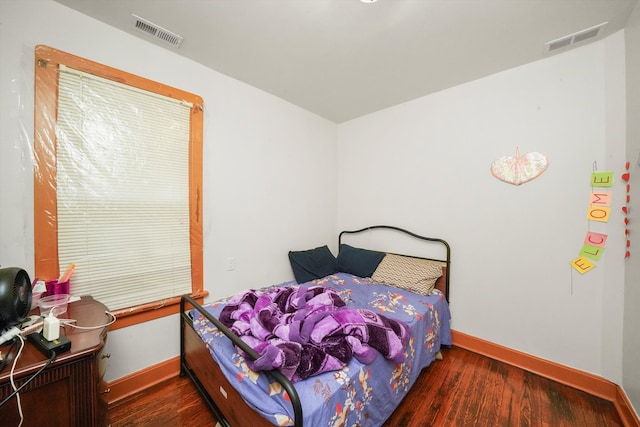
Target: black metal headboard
pixel 447 261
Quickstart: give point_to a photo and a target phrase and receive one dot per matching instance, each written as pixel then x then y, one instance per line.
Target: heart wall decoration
pixel 519 169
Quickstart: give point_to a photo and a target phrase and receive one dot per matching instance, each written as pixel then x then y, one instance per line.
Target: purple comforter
pixel 304 331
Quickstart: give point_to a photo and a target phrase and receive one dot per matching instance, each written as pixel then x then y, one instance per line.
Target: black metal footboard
pixel 185 321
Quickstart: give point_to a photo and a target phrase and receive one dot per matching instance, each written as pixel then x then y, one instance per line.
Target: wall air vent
pixel 576 37
pixel 156 31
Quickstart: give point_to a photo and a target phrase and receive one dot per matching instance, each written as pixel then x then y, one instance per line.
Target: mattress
pixel 358 394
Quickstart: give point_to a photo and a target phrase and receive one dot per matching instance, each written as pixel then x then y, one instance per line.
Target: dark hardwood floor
pixel 464 389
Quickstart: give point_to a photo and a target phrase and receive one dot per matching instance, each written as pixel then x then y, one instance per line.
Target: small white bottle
pixel 51 327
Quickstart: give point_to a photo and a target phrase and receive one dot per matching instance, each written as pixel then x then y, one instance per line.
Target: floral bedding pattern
pixel 351 396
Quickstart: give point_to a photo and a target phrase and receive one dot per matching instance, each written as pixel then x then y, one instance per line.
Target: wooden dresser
pixel 70 392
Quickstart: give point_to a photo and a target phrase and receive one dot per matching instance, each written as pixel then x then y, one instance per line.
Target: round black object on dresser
pixel 15 296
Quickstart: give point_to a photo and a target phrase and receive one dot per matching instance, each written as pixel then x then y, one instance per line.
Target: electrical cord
pixel 4 360
pixel 13 384
pixel 70 322
pixel 33 377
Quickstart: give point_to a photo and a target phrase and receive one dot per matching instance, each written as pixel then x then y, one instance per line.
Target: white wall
pixel 631 368
pixel 424 165
pixel 269 184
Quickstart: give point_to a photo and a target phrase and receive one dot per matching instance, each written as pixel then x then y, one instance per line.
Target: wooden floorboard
pixel 464 389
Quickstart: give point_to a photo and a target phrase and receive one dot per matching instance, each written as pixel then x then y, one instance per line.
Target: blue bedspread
pixel 353 395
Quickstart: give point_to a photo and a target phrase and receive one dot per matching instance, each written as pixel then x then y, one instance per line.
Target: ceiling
pixel 342 59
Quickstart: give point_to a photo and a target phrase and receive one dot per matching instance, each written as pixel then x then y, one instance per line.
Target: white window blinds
pixel 122 190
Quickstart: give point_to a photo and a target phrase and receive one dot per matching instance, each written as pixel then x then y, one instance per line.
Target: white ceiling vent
pixel 576 37
pixel 156 31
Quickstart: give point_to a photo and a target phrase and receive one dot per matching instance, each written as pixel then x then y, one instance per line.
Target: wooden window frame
pixel 47 61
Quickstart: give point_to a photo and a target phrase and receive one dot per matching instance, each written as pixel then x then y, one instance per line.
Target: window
pixel 117 185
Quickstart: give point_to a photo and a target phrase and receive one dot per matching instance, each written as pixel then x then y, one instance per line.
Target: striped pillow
pixel 413 274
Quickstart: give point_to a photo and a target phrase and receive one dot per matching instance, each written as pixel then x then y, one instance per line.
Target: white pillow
pixel 413 274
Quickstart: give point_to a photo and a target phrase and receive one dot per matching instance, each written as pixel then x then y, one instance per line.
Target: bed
pixel 392 288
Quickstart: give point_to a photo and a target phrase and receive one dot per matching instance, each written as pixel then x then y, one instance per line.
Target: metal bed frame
pixel 185 322
pixel 447 261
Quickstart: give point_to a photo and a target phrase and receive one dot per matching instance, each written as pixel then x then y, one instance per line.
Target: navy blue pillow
pixel 312 264
pixel 359 262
